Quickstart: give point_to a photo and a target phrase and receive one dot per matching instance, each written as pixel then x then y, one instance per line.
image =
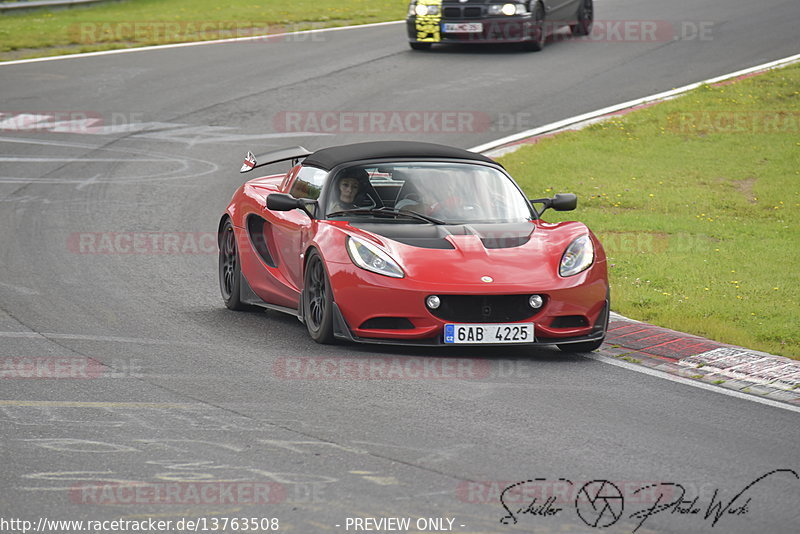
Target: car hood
pixel 509 254
pixel 439 237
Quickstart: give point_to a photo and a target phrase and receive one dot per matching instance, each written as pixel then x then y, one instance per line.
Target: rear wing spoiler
pixel 293 153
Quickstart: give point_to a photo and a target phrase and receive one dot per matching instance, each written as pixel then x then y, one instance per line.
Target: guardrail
pixel 9 6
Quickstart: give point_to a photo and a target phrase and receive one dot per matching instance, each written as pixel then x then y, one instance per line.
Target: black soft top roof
pixel 328 158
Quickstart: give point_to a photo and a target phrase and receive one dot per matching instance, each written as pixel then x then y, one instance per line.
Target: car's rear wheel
pixel 585 19
pixel 539 30
pixel 419 46
pixel 230 274
pixel 318 300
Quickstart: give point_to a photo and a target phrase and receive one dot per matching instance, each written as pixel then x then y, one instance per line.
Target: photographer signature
pixel 600 503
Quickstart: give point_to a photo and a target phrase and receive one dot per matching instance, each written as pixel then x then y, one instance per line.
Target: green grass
pixel 700 224
pixel 110 25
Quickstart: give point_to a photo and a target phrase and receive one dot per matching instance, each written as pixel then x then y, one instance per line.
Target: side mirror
pixel 560 202
pixel 564 202
pixel 284 202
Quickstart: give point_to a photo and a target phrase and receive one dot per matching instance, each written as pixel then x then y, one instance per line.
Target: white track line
pixel 548 128
pixel 689 382
pixel 199 43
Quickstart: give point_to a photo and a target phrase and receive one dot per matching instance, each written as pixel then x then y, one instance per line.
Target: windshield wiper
pixel 420 216
pixel 387 212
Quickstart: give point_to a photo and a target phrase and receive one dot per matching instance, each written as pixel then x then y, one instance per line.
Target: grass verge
pixel 696 201
pixel 132 23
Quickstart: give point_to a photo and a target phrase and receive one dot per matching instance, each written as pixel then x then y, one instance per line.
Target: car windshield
pixel 448 193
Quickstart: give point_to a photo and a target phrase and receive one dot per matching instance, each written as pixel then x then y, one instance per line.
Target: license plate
pixel 462 27
pixel 488 333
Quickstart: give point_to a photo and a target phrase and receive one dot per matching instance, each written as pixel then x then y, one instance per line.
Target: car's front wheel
pixel 583 26
pixel 318 300
pixel 230 273
pixel 539 30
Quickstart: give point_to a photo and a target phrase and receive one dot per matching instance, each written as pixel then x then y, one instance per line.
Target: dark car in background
pixel 489 21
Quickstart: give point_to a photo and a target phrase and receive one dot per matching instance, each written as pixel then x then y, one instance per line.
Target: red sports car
pixel 411 243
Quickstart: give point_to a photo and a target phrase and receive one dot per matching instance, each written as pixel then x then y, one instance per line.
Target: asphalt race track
pixel 163 387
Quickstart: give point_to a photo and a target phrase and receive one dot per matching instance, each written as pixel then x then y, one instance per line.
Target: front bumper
pixel 575 309
pixel 343 331
pixel 506 29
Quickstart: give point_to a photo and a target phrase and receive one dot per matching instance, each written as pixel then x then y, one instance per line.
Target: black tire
pixel 587 346
pixel 318 300
pixel 419 46
pixel 539 29
pixel 585 19
pixel 230 274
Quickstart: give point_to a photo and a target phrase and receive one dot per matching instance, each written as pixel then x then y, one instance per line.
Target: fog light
pixel 433 302
pixel 536 301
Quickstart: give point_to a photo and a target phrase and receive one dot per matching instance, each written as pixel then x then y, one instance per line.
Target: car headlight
pixel 369 257
pixel 578 256
pixel 422 10
pixel 507 9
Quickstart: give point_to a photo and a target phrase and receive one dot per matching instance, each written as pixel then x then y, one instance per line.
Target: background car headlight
pixel 507 9
pixel 422 10
pixel 578 256
pixel 369 257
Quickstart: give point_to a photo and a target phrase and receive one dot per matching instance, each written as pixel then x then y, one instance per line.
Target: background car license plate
pixel 488 333
pixel 462 27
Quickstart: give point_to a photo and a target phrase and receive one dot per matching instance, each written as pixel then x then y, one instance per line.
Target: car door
pixel 291 229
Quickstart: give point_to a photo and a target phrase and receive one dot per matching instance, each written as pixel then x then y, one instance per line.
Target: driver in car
pixel 347 188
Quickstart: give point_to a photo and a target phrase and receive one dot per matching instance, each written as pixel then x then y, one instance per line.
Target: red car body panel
pixel 361 295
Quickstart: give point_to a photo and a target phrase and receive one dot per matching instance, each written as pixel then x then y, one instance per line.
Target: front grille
pixel 474 12
pixel 484 308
